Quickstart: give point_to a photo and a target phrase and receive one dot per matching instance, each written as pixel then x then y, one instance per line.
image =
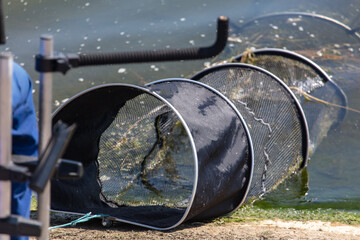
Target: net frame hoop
pixel 231 104
pixel 306 61
pixel 303 14
pixel 191 140
pixel 303 122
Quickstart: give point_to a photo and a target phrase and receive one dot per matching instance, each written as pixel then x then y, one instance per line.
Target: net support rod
pixel 161 55
pixel 64 62
pixel 45 108
pixel 6 61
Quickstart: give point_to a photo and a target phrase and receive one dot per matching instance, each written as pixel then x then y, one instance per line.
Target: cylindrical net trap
pixel 275 119
pixel 155 158
pixel 323 101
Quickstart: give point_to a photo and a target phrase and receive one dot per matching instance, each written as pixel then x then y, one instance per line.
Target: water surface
pixel 79 26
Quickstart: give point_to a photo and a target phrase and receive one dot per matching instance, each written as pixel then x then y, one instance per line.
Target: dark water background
pixel 332 179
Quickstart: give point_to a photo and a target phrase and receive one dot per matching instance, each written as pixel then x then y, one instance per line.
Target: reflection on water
pixel 104 26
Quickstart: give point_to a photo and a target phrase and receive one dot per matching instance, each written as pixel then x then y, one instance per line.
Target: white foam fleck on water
pixel 182 19
pixel 235 39
pixel 192 42
pixel 122 70
pixel 274 27
pixel 207 64
pixel 81 79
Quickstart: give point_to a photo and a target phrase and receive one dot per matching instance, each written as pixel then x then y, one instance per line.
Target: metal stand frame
pixel 17 168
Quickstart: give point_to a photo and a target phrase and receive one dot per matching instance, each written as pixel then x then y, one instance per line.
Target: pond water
pixel 332 177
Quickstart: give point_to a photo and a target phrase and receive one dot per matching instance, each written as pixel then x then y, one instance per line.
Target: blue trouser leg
pixel 20 203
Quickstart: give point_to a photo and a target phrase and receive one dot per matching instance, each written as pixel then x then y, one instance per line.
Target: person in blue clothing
pixel 24 137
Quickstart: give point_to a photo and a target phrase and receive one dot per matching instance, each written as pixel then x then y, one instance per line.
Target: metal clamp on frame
pixel 59 62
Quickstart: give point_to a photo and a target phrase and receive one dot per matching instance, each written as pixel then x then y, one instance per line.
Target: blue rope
pixel 84 218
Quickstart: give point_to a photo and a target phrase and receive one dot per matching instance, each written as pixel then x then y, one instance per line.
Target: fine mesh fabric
pixel 304 77
pixel 275 120
pixel 155 158
pixel 145 156
pixel 306 33
pixel 334 46
pixel 138 159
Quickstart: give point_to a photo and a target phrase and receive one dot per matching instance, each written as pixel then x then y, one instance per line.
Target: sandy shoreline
pixel 265 229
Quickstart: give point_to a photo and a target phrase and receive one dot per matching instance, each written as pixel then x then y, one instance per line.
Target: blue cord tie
pixel 84 218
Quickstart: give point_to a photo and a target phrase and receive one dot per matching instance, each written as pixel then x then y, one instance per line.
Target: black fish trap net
pixel 323 101
pixel 157 157
pixel 311 34
pixel 275 119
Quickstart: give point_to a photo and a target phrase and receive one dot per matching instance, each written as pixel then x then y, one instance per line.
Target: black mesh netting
pixel 330 43
pixel 305 79
pixel 308 33
pixel 155 161
pixel 274 117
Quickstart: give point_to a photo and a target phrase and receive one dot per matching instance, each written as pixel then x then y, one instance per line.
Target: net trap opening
pixel 323 101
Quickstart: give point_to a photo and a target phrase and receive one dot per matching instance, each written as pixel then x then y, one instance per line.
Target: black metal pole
pixel 64 62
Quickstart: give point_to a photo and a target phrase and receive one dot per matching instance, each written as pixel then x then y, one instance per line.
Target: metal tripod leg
pixel 45 108
pixel 6 61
